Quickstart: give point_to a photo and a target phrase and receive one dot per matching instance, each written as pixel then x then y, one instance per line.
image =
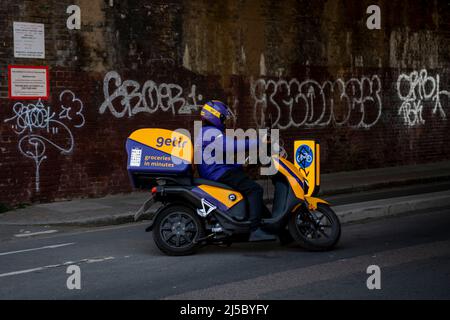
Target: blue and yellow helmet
pixel 215 112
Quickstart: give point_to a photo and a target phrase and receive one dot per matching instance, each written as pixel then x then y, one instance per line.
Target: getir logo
pixel 176 143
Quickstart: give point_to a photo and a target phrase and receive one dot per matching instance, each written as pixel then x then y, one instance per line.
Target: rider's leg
pixel 252 191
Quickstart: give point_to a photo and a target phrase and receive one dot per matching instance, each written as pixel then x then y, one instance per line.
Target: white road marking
pixel 98 260
pixel 21 272
pixel 35 249
pixel 139 224
pixel 21 235
pixel 92 260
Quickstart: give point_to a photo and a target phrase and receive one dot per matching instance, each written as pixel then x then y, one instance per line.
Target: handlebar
pixel 276 147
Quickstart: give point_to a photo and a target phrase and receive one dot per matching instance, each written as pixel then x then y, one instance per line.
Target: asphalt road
pixel 412 251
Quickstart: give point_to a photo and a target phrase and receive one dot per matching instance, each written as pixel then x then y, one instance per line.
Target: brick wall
pixel 373 98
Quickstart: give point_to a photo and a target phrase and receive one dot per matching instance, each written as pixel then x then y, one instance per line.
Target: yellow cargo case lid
pixel 167 141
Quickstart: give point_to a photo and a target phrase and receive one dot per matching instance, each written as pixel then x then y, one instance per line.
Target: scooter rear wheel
pixel 318 230
pixel 176 230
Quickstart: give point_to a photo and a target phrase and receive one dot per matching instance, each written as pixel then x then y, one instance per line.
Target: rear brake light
pixel 154 190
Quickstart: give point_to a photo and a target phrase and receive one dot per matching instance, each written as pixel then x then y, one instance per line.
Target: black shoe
pixel 261 235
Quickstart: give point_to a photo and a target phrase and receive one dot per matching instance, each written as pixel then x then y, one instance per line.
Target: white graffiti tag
pixel 416 89
pixel 355 103
pixel 38 127
pixel 129 98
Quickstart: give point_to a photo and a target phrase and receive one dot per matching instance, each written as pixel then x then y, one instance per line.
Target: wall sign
pixel 28 82
pixel 29 40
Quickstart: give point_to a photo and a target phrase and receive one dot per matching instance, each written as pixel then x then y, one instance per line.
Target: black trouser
pixel 252 191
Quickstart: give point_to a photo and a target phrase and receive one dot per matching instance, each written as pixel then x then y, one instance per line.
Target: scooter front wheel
pixel 176 230
pixel 317 230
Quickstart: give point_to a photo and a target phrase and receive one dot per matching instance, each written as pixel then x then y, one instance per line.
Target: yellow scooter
pixel 195 211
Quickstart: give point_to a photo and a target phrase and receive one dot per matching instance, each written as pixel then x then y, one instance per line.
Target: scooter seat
pixel 199 181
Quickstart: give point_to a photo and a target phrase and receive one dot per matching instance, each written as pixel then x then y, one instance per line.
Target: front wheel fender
pixel 312 202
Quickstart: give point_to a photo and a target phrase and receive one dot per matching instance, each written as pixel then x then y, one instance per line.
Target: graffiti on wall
pixel 416 91
pixel 290 103
pixel 39 126
pixel 127 98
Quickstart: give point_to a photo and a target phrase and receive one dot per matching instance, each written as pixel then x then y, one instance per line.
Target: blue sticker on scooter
pixel 304 156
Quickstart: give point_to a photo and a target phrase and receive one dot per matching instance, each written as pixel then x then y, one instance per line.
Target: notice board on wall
pixel 29 40
pixel 28 82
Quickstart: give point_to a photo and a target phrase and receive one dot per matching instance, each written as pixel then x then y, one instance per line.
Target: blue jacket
pixel 213 171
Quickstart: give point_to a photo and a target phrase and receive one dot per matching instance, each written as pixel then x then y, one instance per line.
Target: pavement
pixel 355 195
pixel 122 262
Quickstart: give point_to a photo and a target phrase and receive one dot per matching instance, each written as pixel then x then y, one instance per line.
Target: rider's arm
pixel 241 145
